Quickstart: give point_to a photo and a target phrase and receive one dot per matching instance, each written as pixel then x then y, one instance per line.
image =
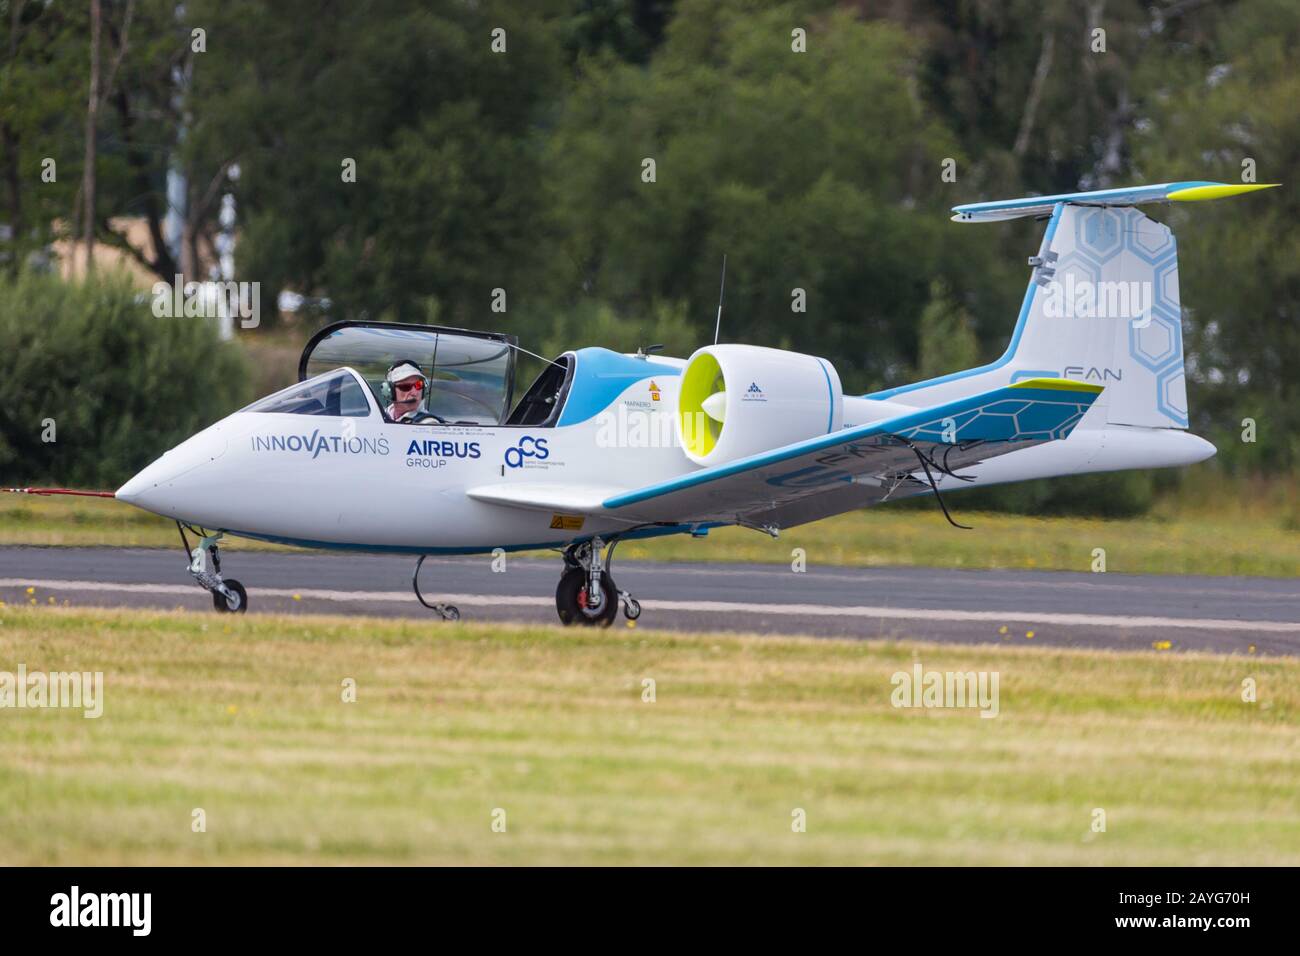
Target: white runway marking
pixel 718 607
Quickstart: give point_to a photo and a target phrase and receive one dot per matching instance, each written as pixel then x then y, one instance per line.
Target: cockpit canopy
pixel 336 395
pixel 471 374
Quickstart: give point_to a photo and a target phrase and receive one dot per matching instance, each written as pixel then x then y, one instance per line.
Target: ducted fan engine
pixel 739 400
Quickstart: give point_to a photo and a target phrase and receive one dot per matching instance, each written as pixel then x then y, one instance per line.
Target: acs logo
pixel 528 447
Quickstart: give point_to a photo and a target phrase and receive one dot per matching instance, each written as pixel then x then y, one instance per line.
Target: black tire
pixel 570 596
pixel 221 604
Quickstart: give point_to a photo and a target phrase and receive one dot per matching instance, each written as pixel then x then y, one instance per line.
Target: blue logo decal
pixel 528 447
pixel 432 447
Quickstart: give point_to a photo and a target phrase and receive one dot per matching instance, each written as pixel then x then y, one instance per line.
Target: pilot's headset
pixel 399 370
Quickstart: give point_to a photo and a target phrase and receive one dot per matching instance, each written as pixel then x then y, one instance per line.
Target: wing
pixel 875 458
pixel 832 473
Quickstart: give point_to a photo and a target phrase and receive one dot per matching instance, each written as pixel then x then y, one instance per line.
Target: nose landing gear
pixel 587 594
pixel 233 600
pixel 228 595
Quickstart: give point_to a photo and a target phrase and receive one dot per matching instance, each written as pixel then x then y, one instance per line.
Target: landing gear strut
pixel 228 595
pixel 587 594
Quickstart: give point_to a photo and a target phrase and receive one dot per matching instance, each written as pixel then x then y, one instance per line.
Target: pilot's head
pixel 408 385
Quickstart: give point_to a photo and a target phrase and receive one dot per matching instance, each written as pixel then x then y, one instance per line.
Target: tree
pixel 814 171
pixel 1218 110
pixel 43 52
pixel 447 202
pixel 152 128
pixel 947 336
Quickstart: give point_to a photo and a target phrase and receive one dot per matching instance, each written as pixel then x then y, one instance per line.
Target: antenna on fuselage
pixel 717 329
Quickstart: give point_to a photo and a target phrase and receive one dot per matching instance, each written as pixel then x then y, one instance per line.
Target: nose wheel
pixel 587 595
pixel 235 602
pixel 228 595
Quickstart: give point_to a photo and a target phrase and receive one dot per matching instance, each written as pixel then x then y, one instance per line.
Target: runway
pixel 1118 611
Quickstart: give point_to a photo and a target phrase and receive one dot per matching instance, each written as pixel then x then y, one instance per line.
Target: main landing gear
pixel 228 595
pixel 587 594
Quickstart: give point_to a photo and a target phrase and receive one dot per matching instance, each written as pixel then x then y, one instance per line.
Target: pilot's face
pixel 407 394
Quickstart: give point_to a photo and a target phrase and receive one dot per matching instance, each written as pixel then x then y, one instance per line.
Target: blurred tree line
pixel 99 386
pixel 504 145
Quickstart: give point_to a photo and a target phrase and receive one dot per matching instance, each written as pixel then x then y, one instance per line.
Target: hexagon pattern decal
pixel 1117 244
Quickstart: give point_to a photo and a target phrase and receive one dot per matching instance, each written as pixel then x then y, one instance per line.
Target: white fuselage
pixel 374 485
pixel 367 484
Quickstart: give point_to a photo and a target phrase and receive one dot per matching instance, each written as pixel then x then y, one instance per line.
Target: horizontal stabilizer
pixel 1192 191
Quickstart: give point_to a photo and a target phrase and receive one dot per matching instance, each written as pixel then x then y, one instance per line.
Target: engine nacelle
pixel 738 400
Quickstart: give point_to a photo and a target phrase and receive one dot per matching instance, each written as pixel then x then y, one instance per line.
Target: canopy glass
pixel 471 374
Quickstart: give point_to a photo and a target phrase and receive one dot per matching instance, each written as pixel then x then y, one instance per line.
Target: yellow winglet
pixel 1058 385
pixel 1221 191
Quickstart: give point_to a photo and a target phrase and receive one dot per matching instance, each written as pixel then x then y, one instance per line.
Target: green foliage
pixel 41 117
pixel 816 171
pixel 448 198
pixel 772 157
pixel 664 323
pixel 1239 260
pixel 628 29
pixel 947 338
pixel 1121 494
pixel 121 385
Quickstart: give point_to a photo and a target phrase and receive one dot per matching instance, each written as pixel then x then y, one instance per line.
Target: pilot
pixel 407 386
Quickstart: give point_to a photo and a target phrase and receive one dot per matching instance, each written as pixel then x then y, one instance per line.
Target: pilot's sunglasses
pixel 417 386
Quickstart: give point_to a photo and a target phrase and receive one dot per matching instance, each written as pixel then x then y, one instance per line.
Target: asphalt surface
pixel 1230 615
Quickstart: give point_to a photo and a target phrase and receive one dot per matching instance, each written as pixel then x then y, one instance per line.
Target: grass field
pixel 244 718
pixel 1207 530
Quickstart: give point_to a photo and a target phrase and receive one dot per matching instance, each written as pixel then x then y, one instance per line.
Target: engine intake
pixel 739 400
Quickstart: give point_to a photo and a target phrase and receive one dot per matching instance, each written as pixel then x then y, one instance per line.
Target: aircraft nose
pixel 137 490
pixel 167 486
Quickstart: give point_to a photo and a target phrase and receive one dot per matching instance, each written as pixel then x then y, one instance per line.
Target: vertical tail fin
pixel 1102 305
